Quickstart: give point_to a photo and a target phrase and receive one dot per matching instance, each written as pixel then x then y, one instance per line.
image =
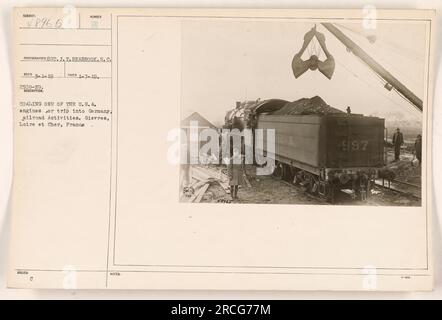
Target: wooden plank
pixel 195 195
pixel 201 173
pixel 199 184
pixel 225 186
pixel 247 181
pixel 214 175
pixel 212 172
pixel 201 177
pixel 201 193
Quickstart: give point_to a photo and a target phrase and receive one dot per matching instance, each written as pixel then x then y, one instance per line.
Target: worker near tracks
pixel 398 141
pixel 235 170
pixel 418 148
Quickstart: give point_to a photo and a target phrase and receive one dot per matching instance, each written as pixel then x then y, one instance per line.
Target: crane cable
pixel 373 87
pixel 382 80
pixel 397 53
pixel 413 55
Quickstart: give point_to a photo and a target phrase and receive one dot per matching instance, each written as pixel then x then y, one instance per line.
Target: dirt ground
pixel 264 189
pixel 268 189
pixel 407 169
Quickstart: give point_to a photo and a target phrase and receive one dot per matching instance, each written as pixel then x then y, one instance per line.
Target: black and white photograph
pixel 224 150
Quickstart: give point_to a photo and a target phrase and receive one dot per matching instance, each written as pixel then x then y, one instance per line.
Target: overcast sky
pixel 225 61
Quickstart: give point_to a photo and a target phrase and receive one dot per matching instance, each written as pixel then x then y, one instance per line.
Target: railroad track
pixel 394 186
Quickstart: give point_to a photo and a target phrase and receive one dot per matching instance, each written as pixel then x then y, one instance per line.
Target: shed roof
pixel 202 122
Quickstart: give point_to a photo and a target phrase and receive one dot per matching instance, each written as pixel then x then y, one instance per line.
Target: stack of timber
pixel 202 177
pixel 218 175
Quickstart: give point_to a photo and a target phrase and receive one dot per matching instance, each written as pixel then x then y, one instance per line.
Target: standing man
pixel 418 148
pixel 398 141
pixel 235 170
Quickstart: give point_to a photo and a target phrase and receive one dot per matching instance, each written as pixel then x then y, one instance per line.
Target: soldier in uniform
pixel 398 141
pixel 418 148
pixel 235 170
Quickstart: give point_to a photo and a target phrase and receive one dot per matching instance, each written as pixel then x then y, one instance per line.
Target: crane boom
pixel 375 66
